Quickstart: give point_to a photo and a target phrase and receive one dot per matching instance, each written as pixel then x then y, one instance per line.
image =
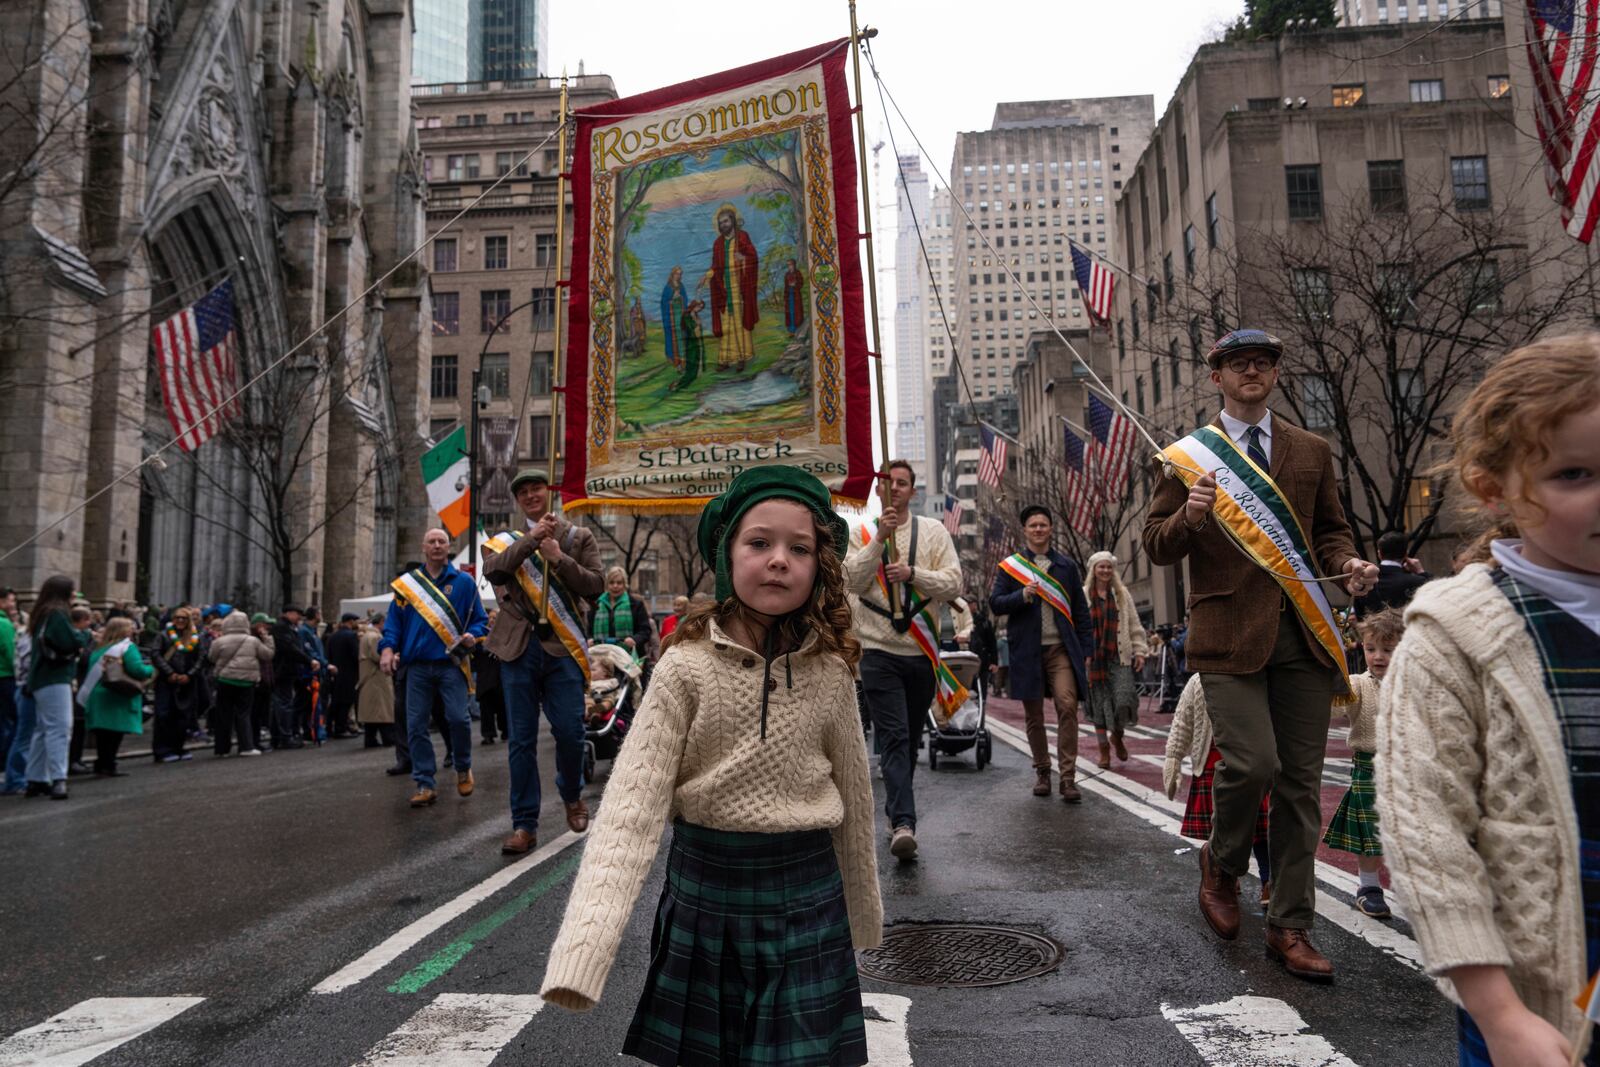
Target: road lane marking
pixel 1253 1032
pixel 888 1031
pixel 1155 809
pixel 394 946
pixel 89 1029
pixel 439 964
pixel 456 1030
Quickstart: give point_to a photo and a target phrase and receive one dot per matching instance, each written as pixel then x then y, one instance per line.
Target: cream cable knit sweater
pixel 1475 797
pixel 695 751
pixel 1189 735
pixel 1363 714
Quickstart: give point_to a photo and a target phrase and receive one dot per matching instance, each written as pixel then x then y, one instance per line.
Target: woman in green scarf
pixel 619 619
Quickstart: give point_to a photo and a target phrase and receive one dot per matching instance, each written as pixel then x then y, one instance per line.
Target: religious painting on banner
pixel 716 314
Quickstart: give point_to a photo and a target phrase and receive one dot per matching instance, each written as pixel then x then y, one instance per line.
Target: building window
pixel 544 309
pixel 1408 391
pixel 1262 103
pixel 1480 286
pixel 1469 175
pixel 502 161
pixel 539 374
pixel 493 305
pixel 455 168
pixel 544 250
pixel 442 381
pixel 1194 346
pixel 539 437
pixel 1316 402
pixel 1188 250
pixel 1313 292
pixel 446 314
pixel 437 428
pixel 1386 185
pixel 1183 159
pixel 496 253
pixel 444 255
pixel 1211 221
pixel 1349 95
pixel 1166 276
pixel 1427 91
pixel 1394 289
pixel 1304 185
pixel 495 372
pixel 1499 86
pixel 1155 379
pixel 1152 299
pixel 1219 321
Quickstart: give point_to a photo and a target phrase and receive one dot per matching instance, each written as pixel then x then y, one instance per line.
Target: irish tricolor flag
pixel 444 472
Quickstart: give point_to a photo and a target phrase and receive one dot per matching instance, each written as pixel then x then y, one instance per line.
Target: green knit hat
pixel 260 617
pixel 721 517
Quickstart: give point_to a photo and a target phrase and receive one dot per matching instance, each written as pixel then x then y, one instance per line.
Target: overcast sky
pixel 947 64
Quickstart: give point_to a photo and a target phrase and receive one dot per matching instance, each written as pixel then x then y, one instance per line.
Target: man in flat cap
pixel 1269 679
pixel 538 666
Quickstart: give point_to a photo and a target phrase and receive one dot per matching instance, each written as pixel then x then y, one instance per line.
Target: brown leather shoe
pixel 577 816
pixel 465 783
pixel 1266 893
pixel 1069 788
pixel 520 842
pixel 1294 950
pixel 1118 747
pixel 1041 785
pixel 1104 762
pixel 1219 897
pixel 423 797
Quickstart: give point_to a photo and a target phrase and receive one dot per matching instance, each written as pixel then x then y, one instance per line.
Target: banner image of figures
pixel 716 315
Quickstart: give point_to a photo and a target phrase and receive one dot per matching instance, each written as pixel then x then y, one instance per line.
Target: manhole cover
pixel 935 954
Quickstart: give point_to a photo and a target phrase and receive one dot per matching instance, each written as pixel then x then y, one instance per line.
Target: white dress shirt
pixel 1236 430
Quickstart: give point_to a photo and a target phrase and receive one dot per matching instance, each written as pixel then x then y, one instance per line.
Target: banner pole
pixel 557 353
pixel 872 286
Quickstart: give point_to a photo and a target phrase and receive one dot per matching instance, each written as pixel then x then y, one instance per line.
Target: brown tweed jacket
pixel 1234 604
pixel 578 570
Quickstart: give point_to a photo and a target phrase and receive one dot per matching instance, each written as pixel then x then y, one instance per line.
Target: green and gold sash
pixel 1029 573
pixel 924 630
pixel 563 620
pixel 417 590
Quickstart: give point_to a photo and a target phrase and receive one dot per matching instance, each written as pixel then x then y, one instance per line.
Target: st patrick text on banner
pixel 716 314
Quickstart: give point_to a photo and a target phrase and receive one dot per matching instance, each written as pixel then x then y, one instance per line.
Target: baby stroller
pixel 966 728
pixel 614 690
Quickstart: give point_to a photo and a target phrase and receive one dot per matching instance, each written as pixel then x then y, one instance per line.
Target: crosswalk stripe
pixel 888 1036
pixel 88 1029
pixel 1253 1032
pixel 456 1030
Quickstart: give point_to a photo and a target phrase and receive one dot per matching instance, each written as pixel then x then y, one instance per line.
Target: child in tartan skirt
pixel 1354 826
pixel 750 741
pixel 1190 734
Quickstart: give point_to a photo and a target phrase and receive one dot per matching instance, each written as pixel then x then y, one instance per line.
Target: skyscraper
pixel 439 47
pixel 910 322
pixel 508 40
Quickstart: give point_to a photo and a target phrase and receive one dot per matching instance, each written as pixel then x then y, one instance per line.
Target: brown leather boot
pixel 1104 762
pixel 520 842
pixel 1041 785
pixel 1120 748
pixel 577 816
pixel 1069 787
pixel 1299 957
pixel 423 797
pixel 1219 896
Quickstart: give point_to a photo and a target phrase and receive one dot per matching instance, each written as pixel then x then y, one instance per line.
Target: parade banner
pixel 1255 514
pixel 715 314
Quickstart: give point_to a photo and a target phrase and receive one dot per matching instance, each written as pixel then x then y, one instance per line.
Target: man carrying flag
pixel 912 560
pixel 1254 505
pixel 1050 634
pixel 542 650
pixel 436 618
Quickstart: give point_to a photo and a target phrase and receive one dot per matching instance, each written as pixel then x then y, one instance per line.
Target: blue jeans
pixel 16 756
pixel 423 680
pixel 536 677
pixel 52 730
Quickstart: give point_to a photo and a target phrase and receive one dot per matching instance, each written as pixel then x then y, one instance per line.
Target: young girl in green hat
pixel 750 738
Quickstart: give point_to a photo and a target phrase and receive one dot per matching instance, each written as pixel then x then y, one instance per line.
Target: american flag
pixel 1095 282
pixel 1561 51
pixel 1082 502
pixel 195 357
pixel 992 460
pixel 952 515
pixel 1114 442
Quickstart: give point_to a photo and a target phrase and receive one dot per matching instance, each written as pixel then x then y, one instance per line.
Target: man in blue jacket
pixel 436 619
pixel 1050 634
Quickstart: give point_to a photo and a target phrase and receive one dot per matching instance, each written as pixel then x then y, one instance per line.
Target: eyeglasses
pixel 1240 364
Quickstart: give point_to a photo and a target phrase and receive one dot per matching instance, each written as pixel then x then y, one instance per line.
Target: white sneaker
pixel 251 752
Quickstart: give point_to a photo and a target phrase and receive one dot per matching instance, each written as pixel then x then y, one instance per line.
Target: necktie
pixel 1253 449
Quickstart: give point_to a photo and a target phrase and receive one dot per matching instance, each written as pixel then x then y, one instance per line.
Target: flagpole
pixel 872 282
pixel 561 284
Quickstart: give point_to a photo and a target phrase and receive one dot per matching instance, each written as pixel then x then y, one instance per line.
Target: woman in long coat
pixel 375 692
pixel 1118 653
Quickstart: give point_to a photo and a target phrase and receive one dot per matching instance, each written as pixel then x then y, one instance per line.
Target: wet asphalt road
pixel 248 882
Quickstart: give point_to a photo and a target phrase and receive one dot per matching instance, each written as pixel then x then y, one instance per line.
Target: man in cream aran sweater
pixel 896 676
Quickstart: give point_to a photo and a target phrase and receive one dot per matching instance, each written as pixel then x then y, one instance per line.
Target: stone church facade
pixel 153 149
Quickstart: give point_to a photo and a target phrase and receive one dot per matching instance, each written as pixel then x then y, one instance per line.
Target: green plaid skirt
pixel 1354 827
pixel 751 962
